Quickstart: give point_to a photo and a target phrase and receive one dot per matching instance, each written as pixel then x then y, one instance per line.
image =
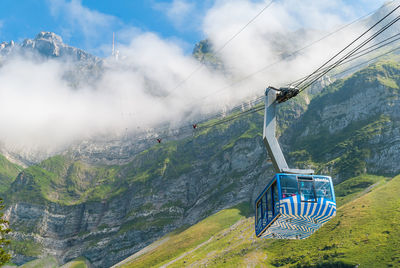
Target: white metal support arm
pixel 269 138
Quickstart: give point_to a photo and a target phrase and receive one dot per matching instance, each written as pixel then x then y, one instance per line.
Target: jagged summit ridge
pixel 49 36
pixel 49 45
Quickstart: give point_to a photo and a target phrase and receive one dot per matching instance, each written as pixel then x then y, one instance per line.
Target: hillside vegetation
pixel 51 262
pixel 365 232
pixel 8 173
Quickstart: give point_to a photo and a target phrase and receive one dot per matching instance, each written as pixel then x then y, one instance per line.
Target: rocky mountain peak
pixel 49 36
pixel 48 45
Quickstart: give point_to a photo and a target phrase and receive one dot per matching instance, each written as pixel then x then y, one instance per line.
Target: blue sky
pixel 89 24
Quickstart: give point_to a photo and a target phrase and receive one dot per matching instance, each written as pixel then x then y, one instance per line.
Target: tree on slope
pixel 4 230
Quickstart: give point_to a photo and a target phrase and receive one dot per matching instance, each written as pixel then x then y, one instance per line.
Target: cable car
pixel 295 203
pixel 294 206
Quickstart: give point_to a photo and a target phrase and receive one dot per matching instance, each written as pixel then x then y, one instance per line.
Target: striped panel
pixel 299 220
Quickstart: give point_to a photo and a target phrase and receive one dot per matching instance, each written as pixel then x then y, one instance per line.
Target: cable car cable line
pixel 256 109
pixel 256 101
pixel 284 57
pixel 355 54
pixel 345 57
pixel 300 84
pixel 351 43
pixel 200 65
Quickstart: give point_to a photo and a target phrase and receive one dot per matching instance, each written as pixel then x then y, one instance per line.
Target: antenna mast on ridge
pixel 114 53
pixel 113 47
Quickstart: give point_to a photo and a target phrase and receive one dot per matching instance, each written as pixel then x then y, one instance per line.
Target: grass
pixel 27 248
pixel 48 262
pixel 191 237
pixel 365 232
pixel 61 180
pixel 51 262
pixel 80 262
pixel 354 187
pixel 8 173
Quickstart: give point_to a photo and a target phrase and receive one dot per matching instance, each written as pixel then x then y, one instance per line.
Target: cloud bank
pixel 148 86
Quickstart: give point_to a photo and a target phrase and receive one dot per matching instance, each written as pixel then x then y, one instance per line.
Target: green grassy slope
pixel 365 232
pixel 355 187
pixel 59 179
pixel 180 242
pixel 8 172
pixel 49 262
pixel 77 263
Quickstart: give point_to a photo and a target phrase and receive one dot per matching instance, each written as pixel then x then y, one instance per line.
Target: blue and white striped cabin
pixel 294 206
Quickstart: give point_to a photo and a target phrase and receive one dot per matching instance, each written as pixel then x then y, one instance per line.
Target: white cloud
pixel 38 108
pixel 274 32
pixel 179 8
pixel 179 12
pixel 79 19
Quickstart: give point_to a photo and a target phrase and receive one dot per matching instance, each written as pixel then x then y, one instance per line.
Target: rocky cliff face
pixel 354 124
pixel 183 184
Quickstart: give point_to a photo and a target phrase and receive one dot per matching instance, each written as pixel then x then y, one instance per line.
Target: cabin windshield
pixel 289 185
pixel 307 189
pixel 323 187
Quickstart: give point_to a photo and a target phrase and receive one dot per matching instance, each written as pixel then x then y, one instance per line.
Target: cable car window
pixel 259 212
pixel 264 205
pixel 269 200
pixel 289 185
pixel 276 199
pixel 323 187
pixel 307 190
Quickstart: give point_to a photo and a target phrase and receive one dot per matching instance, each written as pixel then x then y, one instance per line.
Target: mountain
pixel 104 200
pixel 48 45
pixel 204 52
pixel 67 207
pixel 80 69
pixel 360 115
